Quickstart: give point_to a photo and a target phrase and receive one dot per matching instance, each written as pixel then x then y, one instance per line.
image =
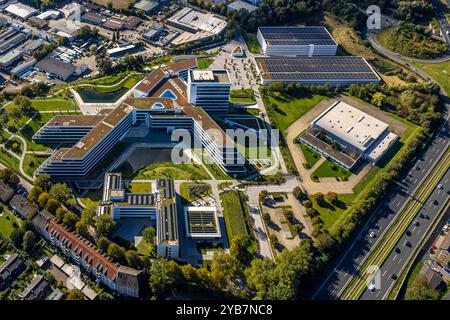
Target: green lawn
pixel 252 42
pixel 6 224
pixel 144 248
pixel 185 194
pixel 233 212
pixel 13 142
pixel 32 162
pixel 9 160
pixel 32 127
pixel 330 169
pixel 311 156
pixel 54 104
pixel 330 214
pixel 242 96
pixel 92 198
pixel 190 171
pixel 204 64
pixel 438 71
pixel 285 110
pixel 140 187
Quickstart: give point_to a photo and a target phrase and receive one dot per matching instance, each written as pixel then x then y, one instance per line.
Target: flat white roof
pixel 378 150
pixel 21 10
pixel 351 125
pixel 199 20
pixel 219 76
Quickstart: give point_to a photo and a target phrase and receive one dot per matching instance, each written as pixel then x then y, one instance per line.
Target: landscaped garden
pixel 188 171
pixel 234 213
pixel 190 191
pixel 252 42
pixel 311 156
pixel 330 169
pixel 204 63
pixel 7 221
pixel 242 96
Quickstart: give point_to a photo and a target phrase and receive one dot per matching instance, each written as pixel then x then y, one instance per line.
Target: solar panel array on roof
pixel 202 222
pixel 141 199
pixel 296 36
pixel 317 68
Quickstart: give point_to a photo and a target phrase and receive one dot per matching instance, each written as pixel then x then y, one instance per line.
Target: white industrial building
pixel 20 10
pixel 357 134
pixel 296 41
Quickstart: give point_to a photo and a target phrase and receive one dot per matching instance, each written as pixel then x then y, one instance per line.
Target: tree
pixel 52 205
pixel 88 215
pixel 60 192
pixel 307 203
pixel 419 290
pixel 43 181
pixel 43 199
pixel 116 252
pixel 103 243
pixel 224 270
pixel 14 112
pixel 60 213
pixel 149 235
pixel 164 275
pixel 4 119
pixel 378 99
pixel 261 276
pixel 70 219
pixel 10 177
pixel 332 197
pixel 240 249
pixel 263 195
pixel 34 194
pixel 299 194
pixel 319 197
pixel 273 239
pixel 23 103
pixel 75 294
pixel 82 227
pixel 29 241
pixel 267 218
pixel 16 237
pixel 105 225
pixel 132 259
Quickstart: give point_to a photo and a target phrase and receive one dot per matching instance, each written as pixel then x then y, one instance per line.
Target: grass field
pixel 330 214
pixel 204 63
pixel 54 104
pixel 242 96
pixel 175 171
pixel 233 213
pixel 92 198
pixel 252 42
pixel 32 162
pixel 8 160
pixel 311 156
pixel 329 169
pixel 140 187
pixel 438 71
pixel 287 109
pixel 6 224
pixel 32 127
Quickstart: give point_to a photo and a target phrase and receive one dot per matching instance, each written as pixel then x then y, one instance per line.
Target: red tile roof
pixel 83 248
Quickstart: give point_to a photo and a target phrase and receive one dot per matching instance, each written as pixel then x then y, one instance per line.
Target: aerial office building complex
pixel 296 41
pixel 161 104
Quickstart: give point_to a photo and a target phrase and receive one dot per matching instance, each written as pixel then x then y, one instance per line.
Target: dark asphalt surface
pixel 342 270
pixel 407 244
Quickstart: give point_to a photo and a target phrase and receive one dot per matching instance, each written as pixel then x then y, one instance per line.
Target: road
pixel 341 271
pixel 397 261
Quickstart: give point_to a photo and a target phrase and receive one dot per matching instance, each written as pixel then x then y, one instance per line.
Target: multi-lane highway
pixel 410 240
pixel 341 272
